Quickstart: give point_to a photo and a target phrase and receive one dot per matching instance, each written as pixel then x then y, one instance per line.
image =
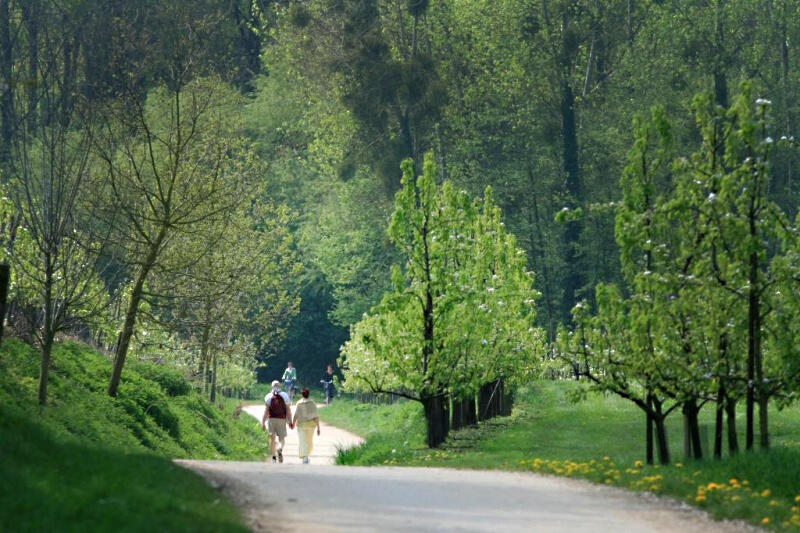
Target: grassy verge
pixel 600 439
pixel 90 462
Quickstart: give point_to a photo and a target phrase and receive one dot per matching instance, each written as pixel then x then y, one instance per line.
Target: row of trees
pixel 709 307
pixel 136 213
pixel 461 308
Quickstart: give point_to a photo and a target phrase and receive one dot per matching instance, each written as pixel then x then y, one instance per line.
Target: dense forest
pixel 217 185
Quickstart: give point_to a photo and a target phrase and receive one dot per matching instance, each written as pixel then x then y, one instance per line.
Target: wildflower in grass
pixel 700 498
pixel 735 498
pixel 678 465
pixel 766 492
pixel 637 464
pixel 765 520
pixel 773 503
pixel 733 481
pixel 797 498
pixel 606 458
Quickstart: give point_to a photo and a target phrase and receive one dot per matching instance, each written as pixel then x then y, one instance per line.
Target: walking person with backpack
pixel 277 414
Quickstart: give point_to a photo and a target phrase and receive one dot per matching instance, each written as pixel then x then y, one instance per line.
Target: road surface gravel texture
pixel 320 497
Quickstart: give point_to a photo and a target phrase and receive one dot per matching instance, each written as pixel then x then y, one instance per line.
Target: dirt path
pixel 322 498
pixel 325 445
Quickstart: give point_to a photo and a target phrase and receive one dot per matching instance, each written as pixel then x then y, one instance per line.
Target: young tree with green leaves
pixel 173 164
pixel 461 310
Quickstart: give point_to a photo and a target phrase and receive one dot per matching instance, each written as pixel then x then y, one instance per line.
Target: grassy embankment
pixel 88 462
pixel 600 439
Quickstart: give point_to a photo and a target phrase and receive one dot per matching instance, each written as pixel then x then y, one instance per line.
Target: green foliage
pixel 461 307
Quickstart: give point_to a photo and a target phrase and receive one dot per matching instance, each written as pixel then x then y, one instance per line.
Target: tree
pixel 56 253
pixel 175 163
pixel 461 310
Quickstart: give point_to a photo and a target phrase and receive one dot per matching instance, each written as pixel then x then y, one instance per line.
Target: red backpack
pixel 277 406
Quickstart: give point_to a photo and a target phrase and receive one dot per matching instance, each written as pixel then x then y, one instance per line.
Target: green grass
pixel 600 439
pixel 90 462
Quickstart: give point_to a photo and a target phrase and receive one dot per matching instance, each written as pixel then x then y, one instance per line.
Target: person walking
pixel 327 383
pixel 305 419
pixel 290 380
pixel 277 411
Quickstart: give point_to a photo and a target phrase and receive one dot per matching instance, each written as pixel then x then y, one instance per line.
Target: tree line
pixel 134 212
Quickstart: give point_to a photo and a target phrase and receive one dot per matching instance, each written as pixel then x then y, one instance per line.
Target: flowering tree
pixel 462 306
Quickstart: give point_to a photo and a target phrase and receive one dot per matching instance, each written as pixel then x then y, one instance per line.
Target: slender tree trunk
pixel 649 430
pixel 573 280
pixel 719 421
pixel 5 278
pixel 31 14
pixel 130 314
pixel 752 345
pixel 213 394
pixel 6 89
pixel 733 438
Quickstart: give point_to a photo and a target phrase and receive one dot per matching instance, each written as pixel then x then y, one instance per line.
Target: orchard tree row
pixel 710 306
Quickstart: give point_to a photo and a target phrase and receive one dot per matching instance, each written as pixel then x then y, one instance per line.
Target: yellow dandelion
pixel 766 492
pixel 733 481
pixel 765 520
pixel 637 464
pixel 773 503
pixel 606 458
pixel 797 498
pixel 700 498
pixel 678 465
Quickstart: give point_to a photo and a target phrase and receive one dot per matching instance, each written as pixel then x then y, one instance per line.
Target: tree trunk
pixel 661 440
pixel 719 422
pixel 5 277
pixel 763 421
pixel 6 89
pixel 753 327
pixel 692 447
pixel 213 394
pixel 648 437
pixel 44 370
pixel 130 315
pixel 470 416
pixel 30 12
pixel 436 418
pixel 733 438
pixel 458 415
pixel 487 404
pixel 573 280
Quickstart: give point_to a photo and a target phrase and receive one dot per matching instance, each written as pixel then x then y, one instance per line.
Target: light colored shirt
pixel 305 410
pixel 290 373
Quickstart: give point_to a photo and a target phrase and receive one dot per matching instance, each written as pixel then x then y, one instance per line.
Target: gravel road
pixel 320 497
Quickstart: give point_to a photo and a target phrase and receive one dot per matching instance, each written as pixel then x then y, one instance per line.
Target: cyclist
pixel 290 380
pixel 327 383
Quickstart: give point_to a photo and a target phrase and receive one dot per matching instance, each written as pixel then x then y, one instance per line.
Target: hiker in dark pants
pixel 327 383
pixel 277 413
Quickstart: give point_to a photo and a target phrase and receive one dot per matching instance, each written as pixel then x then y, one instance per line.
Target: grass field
pixel 88 462
pixel 600 439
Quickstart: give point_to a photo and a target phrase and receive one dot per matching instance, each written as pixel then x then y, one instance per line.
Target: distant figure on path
pixel 306 419
pixel 327 383
pixel 277 411
pixel 290 380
